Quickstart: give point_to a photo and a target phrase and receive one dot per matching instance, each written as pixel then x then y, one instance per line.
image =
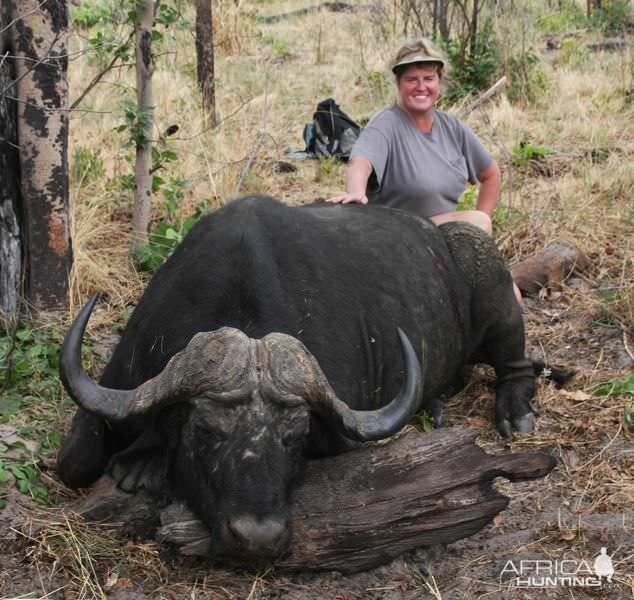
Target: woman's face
pixel 418 88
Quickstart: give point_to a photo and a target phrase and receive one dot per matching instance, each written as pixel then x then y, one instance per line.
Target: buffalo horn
pixel 221 358
pixel 81 388
pixel 368 425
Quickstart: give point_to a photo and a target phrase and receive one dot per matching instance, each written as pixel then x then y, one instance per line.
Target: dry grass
pixel 270 79
pixel 83 556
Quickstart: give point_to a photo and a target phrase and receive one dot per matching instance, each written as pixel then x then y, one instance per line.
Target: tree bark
pixel 473 28
pixel 145 106
pixel 205 59
pixel 39 56
pixel 10 201
pixel 443 22
pixel 358 510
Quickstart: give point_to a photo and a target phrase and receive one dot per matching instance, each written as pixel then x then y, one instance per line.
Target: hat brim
pixel 418 60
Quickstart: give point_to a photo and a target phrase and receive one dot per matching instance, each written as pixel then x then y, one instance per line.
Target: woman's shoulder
pixel 449 120
pixel 453 126
pixel 385 118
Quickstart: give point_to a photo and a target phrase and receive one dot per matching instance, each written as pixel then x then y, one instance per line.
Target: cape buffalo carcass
pixel 318 320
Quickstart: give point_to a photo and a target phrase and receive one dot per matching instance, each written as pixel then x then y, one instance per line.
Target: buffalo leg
pixel 497 324
pixel 82 457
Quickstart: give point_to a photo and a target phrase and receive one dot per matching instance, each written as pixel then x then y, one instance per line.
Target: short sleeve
pixel 373 145
pixel 476 155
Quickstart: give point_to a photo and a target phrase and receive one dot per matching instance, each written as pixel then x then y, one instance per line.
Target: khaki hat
pixel 419 51
pixel 416 56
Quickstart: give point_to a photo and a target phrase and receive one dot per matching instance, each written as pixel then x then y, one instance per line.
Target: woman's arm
pixel 358 171
pixel 489 188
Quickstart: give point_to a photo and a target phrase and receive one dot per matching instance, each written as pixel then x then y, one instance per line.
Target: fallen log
pixel 609 44
pixel 548 268
pixel 335 7
pixel 361 509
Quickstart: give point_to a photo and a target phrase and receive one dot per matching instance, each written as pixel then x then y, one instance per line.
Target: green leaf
pixel 10 404
pixel 425 422
pixel 24 335
pixel 18 473
pixel 168 155
pixel 157 182
pixel 172 234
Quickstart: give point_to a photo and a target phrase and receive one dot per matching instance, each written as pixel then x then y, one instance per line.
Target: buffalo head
pixel 232 415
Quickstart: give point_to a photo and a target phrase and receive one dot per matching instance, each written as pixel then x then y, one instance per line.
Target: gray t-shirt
pixel 424 173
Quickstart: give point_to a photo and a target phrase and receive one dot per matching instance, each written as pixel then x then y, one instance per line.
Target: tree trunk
pixel 473 28
pixel 360 509
pixel 443 21
pixel 10 202
pixel 39 56
pixel 205 59
pixel 145 122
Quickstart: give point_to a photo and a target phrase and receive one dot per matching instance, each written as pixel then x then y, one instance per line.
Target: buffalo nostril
pixel 259 536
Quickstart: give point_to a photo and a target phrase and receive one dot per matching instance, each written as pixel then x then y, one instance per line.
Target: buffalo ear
pixel 142 465
pixel 322 441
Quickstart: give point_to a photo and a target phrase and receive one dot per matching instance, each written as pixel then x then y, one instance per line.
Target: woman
pixel 417 158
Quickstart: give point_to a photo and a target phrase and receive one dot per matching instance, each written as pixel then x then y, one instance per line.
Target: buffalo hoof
pixel 436 409
pixel 514 407
pixel 523 424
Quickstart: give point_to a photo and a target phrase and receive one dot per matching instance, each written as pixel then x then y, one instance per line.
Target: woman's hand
pixel 358 171
pixel 350 198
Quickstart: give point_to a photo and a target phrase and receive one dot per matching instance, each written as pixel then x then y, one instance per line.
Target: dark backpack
pixel 332 132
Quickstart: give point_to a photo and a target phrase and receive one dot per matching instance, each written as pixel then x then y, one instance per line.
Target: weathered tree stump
pixel 548 268
pixel 361 509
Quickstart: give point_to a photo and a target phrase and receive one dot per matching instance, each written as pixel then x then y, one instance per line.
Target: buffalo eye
pixel 289 438
pixel 211 438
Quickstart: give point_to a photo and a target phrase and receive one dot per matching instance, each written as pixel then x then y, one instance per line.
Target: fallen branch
pixel 497 86
pixel 608 44
pixel 331 6
pixel 361 509
pixel 627 346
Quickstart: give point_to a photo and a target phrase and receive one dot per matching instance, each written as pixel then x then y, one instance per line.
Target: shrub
pixel 92 12
pixel 471 70
pixel 29 381
pixel 525 152
pixel 526 80
pixel 574 53
pixel 169 232
pixel 612 18
pixel 86 166
pixel 568 17
pixel 379 86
